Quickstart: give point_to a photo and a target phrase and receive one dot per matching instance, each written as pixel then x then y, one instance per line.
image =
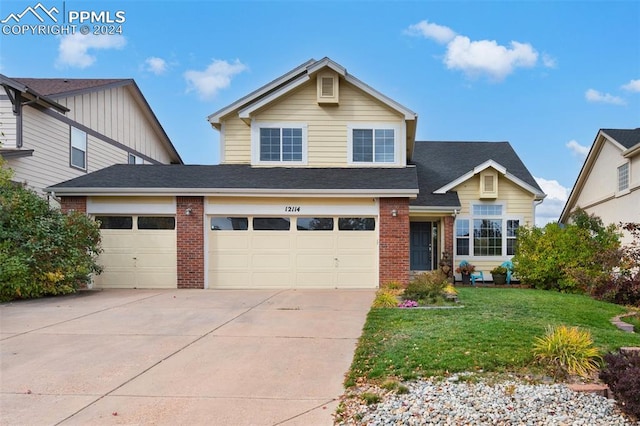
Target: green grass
pixel 494 332
pixel 634 320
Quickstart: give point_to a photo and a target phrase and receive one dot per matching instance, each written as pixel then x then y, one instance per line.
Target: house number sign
pixel 292 209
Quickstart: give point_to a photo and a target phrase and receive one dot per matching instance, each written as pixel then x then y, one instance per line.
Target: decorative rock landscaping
pixel 450 402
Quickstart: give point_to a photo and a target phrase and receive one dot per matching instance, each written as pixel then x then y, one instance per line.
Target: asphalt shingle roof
pixel 56 86
pixel 625 137
pixel 440 163
pixel 231 176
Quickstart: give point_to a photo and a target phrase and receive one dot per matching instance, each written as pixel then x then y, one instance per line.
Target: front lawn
pixel 494 332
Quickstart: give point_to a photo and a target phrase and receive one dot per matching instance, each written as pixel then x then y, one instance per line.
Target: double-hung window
pixel 373 145
pixel 623 177
pixel 78 154
pixel 279 143
pixel 486 233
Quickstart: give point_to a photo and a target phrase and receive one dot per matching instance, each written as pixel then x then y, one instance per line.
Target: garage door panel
pixel 271 240
pixel 314 279
pixel 232 279
pixel 229 240
pixel 158 259
pixel 310 261
pixel 115 278
pixel 271 279
pixel 357 260
pixel 266 260
pixel 356 280
pixel 231 260
pixel 156 278
pixel 356 240
pixel 317 241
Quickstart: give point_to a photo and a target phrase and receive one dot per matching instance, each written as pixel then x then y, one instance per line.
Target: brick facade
pixel 190 240
pixel 394 240
pixel 447 223
pixel 78 204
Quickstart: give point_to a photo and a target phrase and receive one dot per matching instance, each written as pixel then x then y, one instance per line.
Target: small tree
pixel 568 259
pixel 42 251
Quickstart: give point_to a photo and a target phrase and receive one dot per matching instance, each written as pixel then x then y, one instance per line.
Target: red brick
pixel 190 241
pixel 394 240
pixel 78 204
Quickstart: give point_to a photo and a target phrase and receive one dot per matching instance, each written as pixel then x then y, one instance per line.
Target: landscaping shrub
pixel 385 299
pixel 568 259
pixel 42 251
pixel 427 288
pixel 566 351
pixel 622 375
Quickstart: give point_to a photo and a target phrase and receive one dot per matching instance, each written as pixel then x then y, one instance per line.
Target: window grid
pixel 462 237
pixel 373 145
pixel 78 157
pixel 487 237
pixel 487 210
pixel 512 228
pixel 623 177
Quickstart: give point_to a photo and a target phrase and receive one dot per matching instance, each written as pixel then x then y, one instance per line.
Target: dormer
pixel 328 83
pixel 489 184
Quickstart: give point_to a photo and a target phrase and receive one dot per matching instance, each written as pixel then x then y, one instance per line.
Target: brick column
pixel 78 204
pixel 190 235
pixel 394 240
pixel 447 224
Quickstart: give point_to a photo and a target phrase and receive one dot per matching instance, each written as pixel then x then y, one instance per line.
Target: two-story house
pixel 58 129
pixel 608 184
pixel 321 184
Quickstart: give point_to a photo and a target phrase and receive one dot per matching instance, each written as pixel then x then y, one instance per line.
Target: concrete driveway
pixel 214 357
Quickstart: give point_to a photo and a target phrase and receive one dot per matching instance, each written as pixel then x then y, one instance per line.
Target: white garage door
pixel 139 252
pixel 292 252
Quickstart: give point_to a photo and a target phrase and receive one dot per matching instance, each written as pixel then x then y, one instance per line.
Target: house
pixel 58 129
pixel 608 184
pixel 321 184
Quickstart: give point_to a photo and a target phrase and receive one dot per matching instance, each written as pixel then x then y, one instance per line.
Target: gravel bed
pixel 448 402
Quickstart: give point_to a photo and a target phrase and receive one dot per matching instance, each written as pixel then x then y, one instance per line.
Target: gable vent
pixel 326 89
pixel 488 184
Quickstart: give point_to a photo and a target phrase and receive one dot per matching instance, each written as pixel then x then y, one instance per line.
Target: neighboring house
pixel 58 129
pixel 608 185
pixel 321 185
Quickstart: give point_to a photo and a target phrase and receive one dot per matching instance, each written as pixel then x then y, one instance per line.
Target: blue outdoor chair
pixel 509 265
pixel 478 275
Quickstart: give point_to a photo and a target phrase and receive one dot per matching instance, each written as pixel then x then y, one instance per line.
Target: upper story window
pixel 623 177
pixel 134 159
pixel 373 145
pixel 274 143
pixel 78 154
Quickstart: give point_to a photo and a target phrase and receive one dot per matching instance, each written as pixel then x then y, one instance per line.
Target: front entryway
pixel 421 246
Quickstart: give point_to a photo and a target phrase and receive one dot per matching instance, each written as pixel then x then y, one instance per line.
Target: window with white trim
pixel 134 159
pixel 78 151
pixel 373 144
pixel 623 177
pixel 276 143
pixel 486 232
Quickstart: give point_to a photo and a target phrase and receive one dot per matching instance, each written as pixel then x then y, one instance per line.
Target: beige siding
pixel 117 114
pixel 602 182
pixel 517 202
pixel 7 124
pixel 327 125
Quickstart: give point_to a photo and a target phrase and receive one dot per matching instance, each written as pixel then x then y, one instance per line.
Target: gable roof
pixel 626 140
pixel 125 179
pixel 444 165
pixel 50 89
pixel 12 84
pixel 300 75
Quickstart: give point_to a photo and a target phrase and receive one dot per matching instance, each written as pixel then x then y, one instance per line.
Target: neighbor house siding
pixel 7 124
pixel 116 114
pixel 326 125
pixel 602 181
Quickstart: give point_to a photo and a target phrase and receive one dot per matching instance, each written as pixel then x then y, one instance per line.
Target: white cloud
pixel 577 149
pixel 549 61
pixel 593 95
pixel 156 65
pixel 74 49
pixel 217 76
pixel 551 207
pixel 439 33
pixel 632 86
pixel 480 57
pixel 488 57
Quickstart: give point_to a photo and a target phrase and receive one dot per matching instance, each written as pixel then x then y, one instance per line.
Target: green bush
pixel 385 299
pixel 427 288
pixel 568 259
pixel 42 250
pixel 567 351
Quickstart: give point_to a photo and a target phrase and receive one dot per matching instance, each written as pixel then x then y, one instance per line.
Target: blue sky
pixel 543 75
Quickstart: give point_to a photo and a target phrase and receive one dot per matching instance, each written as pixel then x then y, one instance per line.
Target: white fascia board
pixel 326 62
pixel 433 209
pixel 408 114
pixel 232 192
pixel 490 163
pixel 454 183
pixel 246 112
pixel 216 116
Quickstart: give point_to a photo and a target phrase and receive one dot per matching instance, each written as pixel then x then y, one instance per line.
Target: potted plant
pixel 499 274
pixel 465 269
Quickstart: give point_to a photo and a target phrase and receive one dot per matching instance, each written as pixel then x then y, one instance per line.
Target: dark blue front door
pixel 420 248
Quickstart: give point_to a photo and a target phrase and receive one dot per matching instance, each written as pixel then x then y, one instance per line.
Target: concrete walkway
pixel 214 357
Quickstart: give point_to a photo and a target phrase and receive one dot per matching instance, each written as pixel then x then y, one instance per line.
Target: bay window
pixel 486 233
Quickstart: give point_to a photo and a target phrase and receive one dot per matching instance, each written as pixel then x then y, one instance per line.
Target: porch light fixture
pixel 394 212
pixel 188 211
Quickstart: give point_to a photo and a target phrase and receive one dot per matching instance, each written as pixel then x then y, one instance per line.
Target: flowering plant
pixel 408 304
pixel 465 268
